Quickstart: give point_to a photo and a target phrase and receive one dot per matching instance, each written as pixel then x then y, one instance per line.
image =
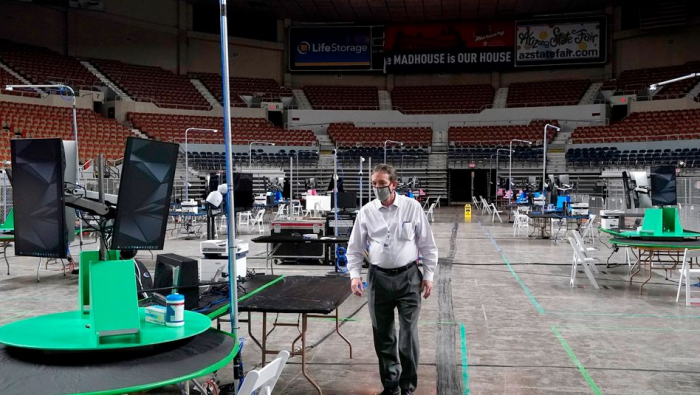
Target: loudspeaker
pixel 178 271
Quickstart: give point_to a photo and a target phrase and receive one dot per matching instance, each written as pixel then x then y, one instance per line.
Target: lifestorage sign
pixel 545 43
pixel 449 47
pixel 330 48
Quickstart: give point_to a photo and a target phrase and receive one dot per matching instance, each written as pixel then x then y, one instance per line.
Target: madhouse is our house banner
pixel 449 47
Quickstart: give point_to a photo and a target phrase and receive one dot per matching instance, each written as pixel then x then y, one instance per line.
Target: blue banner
pixel 330 48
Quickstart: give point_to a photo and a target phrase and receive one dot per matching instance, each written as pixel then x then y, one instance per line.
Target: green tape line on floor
pixel 576 362
pixel 525 289
pixel 465 367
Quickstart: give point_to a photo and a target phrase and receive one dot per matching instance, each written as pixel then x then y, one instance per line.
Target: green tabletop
pixel 661 244
pixel 68 331
pixel 7 237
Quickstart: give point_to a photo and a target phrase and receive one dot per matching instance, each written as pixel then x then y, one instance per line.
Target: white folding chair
pixel 281 212
pixel 520 221
pixel 244 218
pixel 265 378
pixel 438 201
pixel 589 230
pixel 426 202
pixel 477 204
pixel 429 213
pixel 495 213
pixel 258 221
pixel 582 245
pixel 485 206
pixel 686 271
pixel 580 258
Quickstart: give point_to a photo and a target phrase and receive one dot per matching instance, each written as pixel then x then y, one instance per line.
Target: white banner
pixel 542 43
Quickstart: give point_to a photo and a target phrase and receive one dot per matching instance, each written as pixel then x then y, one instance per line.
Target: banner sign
pixel 543 43
pixel 330 48
pixel 449 47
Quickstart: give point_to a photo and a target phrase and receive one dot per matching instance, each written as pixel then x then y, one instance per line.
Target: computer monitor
pixel 345 200
pixel 146 185
pixel 40 218
pixel 663 186
pixel 318 203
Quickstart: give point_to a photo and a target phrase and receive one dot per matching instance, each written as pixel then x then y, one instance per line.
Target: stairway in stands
pixel 385 103
pixel 500 99
pixel 591 93
pixel 302 101
pixel 111 85
pixel 205 92
pixel 197 183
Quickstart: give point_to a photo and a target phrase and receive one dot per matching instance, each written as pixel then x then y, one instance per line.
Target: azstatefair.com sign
pixel 543 43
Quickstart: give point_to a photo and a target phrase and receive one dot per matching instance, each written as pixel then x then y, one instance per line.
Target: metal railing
pixel 629 139
pixel 166 105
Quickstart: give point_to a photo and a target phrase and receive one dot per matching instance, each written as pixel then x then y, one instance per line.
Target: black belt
pixel 394 271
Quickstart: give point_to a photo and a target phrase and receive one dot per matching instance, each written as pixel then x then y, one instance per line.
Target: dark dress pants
pixel 387 292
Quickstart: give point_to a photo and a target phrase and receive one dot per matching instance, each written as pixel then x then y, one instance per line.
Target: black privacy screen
pixel 144 195
pixel 663 186
pixel 40 218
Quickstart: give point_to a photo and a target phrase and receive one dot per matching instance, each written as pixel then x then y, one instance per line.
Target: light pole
pixel 250 150
pixel 393 142
pixel 187 168
pixel 656 86
pixel 544 153
pixel 510 160
pixel 497 155
pixel 230 216
pixel 362 160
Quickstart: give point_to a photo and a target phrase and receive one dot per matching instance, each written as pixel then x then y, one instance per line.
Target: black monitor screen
pixel 345 200
pixel 663 186
pixel 40 221
pixel 144 195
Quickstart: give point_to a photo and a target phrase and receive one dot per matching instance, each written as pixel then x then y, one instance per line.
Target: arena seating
pixel 207 160
pixel 634 81
pixel 8 79
pixel 153 84
pixel 348 135
pixel 398 156
pixel 42 66
pixel 601 157
pixel 547 93
pixel 644 126
pixel 460 156
pixel 343 97
pixel 172 128
pixel 453 99
pixel 499 135
pixel 266 88
pixel 95 133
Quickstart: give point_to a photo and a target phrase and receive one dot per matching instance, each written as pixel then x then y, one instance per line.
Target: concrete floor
pixel 504 321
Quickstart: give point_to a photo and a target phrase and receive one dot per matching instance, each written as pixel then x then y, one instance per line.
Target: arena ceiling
pixel 401 11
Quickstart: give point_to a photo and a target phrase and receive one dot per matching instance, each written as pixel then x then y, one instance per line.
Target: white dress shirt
pixel 395 234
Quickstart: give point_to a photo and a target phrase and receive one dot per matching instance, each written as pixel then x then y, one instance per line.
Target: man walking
pixel 396 230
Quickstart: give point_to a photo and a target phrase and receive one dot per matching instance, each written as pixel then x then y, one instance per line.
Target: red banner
pixel 449 36
pixel 458 46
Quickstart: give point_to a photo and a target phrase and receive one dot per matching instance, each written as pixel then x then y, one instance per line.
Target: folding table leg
pixel 4 254
pixel 303 354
